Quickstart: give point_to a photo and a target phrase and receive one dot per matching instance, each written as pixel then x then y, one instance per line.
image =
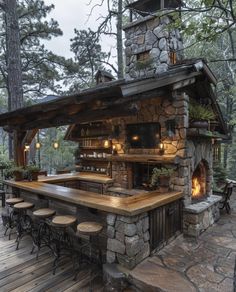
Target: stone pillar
pixel 128 239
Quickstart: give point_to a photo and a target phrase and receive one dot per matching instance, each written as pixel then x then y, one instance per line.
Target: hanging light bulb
pixel 38 145
pixel 55 145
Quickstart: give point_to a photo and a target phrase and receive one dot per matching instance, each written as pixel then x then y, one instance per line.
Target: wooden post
pixel 19 155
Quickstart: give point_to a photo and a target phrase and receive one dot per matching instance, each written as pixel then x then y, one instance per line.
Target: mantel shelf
pixel 144 158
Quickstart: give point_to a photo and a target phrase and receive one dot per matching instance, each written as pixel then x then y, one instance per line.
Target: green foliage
pixel 157 172
pixel 219 174
pixel 88 59
pixel 17 169
pixel 32 168
pixel 200 112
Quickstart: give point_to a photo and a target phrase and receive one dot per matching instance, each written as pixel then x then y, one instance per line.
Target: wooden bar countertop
pixel 103 179
pixel 128 206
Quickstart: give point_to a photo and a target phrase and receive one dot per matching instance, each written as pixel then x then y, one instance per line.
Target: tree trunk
pixel 120 42
pixel 13 59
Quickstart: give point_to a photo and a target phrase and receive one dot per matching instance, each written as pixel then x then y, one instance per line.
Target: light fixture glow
pixel 161 147
pixel 55 145
pixel 106 144
pixel 27 147
pixel 135 138
pixel 38 145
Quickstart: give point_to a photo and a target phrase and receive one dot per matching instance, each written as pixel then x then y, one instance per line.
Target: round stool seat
pixel 89 228
pixel 13 201
pixel 24 206
pixel 44 213
pixel 64 221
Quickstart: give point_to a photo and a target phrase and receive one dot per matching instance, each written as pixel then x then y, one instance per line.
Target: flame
pixel 196 188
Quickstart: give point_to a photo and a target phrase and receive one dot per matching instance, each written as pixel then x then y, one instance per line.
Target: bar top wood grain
pixel 99 178
pixel 129 206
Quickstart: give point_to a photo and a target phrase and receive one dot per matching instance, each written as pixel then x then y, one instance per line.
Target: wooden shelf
pixel 144 158
pixel 93 148
pixel 197 132
pixel 93 159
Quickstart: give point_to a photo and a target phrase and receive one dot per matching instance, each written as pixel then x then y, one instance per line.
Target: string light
pixel 55 145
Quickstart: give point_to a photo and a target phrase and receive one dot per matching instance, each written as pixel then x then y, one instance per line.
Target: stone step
pixel 149 276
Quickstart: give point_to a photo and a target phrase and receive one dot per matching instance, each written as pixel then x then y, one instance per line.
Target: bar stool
pixel 62 241
pixel 24 221
pixel 9 217
pixel 3 197
pixel 42 236
pixel 92 230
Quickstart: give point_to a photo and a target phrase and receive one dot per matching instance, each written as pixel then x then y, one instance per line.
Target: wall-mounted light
pixel 55 145
pixel 106 144
pixel 27 147
pixel 38 145
pixel 135 138
pixel 161 147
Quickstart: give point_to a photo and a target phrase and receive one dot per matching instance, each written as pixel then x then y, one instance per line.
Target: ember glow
pixel 196 188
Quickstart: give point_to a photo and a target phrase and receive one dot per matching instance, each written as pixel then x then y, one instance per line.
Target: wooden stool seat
pixel 13 201
pixel 64 221
pixel 23 206
pixel 44 213
pixel 89 228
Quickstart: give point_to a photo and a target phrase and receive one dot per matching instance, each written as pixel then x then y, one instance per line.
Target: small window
pixel 143 56
pixel 173 57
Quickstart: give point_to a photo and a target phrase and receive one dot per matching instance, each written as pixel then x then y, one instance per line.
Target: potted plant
pixel 33 172
pixel 200 115
pixel 17 172
pixel 161 177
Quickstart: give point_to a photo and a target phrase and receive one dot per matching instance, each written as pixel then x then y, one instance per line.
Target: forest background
pixel 208 28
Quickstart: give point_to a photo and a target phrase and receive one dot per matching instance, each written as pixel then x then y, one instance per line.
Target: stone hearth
pixel 198 217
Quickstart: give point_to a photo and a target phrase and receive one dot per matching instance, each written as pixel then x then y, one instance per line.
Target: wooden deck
pixel 21 272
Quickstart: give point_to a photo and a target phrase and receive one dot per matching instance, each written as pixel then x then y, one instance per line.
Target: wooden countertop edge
pixel 129 206
pixel 70 177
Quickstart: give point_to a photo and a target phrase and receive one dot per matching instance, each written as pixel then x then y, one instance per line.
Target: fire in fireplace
pixel 199 182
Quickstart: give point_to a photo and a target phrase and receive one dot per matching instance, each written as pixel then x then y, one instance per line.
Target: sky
pixel 72 14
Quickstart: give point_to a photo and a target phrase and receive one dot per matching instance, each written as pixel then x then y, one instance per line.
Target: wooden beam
pixel 82 117
pixel 29 136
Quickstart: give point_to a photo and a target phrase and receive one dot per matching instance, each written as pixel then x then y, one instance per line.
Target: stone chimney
pixel 151 44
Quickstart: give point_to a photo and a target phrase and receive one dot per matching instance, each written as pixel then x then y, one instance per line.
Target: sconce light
pixel 118 147
pixel 161 148
pixel 135 138
pixel 38 145
pixel 114 150
pixel 27 147
pixel 55 145
pixel 106 144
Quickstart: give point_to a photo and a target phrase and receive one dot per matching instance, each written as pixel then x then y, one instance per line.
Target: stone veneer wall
pixel 156 110
pixel 198 217
pixel 128 239
pixel 151 34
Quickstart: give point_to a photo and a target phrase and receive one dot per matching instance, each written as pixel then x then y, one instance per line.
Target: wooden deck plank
pixel 21 272
pixel 36 284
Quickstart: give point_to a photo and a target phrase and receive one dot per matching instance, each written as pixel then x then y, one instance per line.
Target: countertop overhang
pixel 129 206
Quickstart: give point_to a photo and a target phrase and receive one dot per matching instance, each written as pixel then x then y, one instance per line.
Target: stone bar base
pixel 128 239
pixel 198 217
